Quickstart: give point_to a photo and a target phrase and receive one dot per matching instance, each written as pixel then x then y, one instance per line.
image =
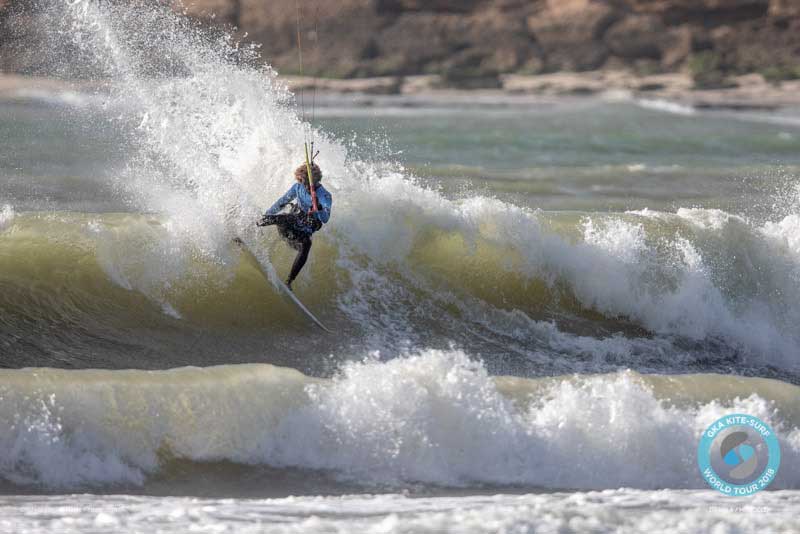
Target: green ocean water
pixel 583 155
pixel 588 154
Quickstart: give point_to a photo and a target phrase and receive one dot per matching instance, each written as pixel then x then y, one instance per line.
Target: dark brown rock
pixel 676 46
pixel 440 38
pixel 441 6
pixel 347 33
pixel 702 12
pixel 570 32
pixel 637 36
pixel 784 8
pixel 472 42
pixel 224 11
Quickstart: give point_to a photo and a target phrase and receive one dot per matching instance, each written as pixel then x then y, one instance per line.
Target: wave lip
pixel 697 285
pixel 436 418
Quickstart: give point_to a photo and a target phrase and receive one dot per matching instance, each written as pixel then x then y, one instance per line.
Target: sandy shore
pixel 751 92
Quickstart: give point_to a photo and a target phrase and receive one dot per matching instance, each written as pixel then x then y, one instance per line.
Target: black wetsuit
pixel 297 226
pixel 292 228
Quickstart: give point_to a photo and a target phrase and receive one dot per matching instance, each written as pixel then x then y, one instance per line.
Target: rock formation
pixel 472 42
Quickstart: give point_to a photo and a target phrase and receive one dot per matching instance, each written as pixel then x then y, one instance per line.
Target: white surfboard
pixel 283 287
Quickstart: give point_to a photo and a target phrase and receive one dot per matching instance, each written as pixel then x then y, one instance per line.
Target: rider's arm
pixel 290 195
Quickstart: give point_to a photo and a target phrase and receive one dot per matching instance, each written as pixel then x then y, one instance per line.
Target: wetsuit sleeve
pixel 285 199
pixel 324 203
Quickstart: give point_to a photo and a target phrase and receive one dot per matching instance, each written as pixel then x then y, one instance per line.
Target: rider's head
pixel 301 174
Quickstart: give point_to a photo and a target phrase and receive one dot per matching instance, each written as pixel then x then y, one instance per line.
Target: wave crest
pixel 436 417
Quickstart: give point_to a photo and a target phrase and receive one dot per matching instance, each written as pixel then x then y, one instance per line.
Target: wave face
pixel 435 418
pixel 543 292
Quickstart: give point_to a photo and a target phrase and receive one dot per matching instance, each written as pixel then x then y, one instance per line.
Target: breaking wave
pixel 680 285
pixel 436 417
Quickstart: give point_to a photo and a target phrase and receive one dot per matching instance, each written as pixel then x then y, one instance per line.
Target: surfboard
pixel 283 287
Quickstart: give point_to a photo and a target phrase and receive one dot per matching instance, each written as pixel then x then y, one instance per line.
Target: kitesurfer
pixel 304 216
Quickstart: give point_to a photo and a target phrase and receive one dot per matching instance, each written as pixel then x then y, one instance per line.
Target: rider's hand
pixel 262 221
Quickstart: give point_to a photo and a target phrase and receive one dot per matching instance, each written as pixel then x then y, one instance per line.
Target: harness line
pixel 307 134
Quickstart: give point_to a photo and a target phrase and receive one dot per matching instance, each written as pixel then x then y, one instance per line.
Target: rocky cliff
pixel 473 41
pixel 481 38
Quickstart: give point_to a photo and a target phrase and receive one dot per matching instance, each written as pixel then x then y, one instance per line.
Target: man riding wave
pixel 301 221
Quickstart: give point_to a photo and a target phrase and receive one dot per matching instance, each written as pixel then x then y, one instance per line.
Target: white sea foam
pixel 666 106
pixel 625 510
pixel 435 418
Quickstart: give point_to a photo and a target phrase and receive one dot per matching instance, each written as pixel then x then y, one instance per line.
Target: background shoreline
pixel 751 93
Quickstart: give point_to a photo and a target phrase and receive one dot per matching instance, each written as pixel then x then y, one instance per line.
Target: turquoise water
pixel 585 155
pixel 588 155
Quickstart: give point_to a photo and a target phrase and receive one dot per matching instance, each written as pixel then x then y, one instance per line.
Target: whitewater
pixel 537 311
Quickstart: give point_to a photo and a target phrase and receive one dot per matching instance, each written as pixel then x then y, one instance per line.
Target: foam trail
pixel 665 106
